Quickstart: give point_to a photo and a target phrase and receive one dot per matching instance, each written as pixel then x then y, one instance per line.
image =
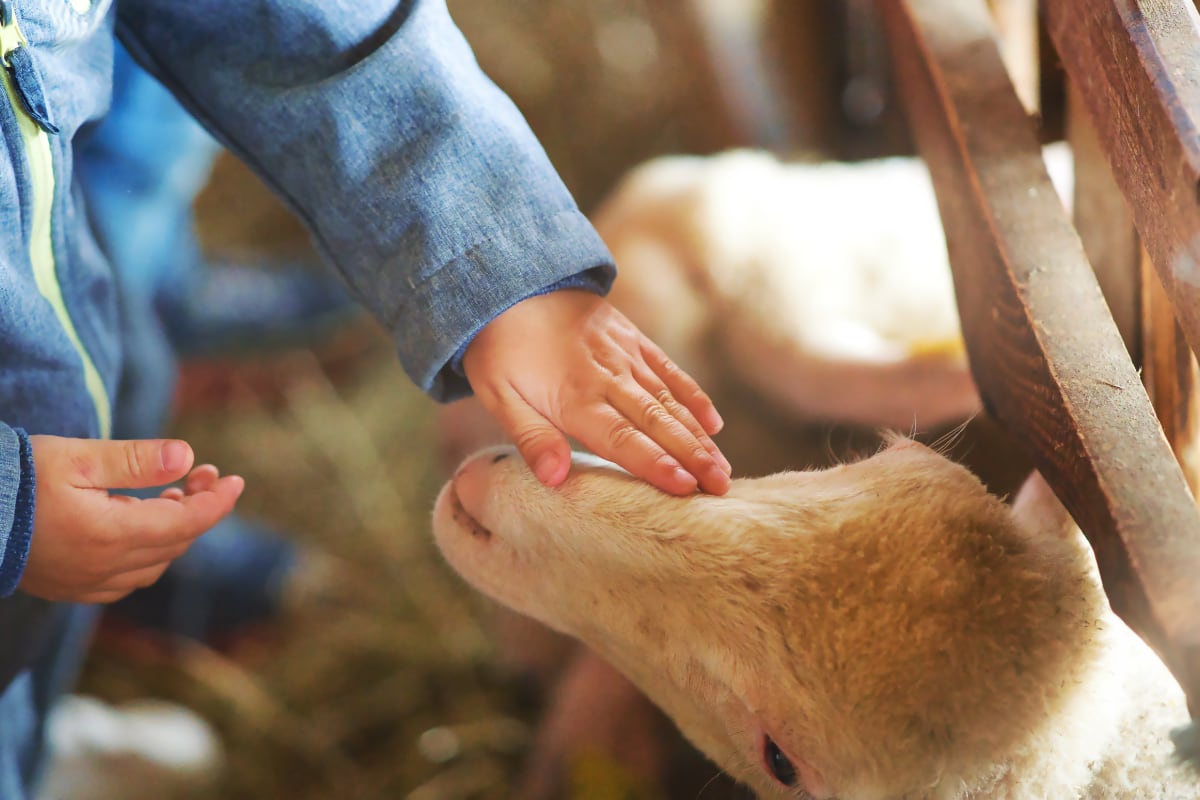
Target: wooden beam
pixel 1135 296
pixel 1106 227
pixel 1044 350
pixel 1136 66
pixel 1169 373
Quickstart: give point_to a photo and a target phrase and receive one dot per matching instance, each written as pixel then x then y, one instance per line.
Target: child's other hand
pixel 568 362
pixel 94 547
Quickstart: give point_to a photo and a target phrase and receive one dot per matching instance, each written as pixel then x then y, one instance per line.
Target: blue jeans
pixel 26 701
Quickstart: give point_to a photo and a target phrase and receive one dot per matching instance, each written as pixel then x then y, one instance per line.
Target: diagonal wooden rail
pixel 1136 67
pixel 1044 350
pixel 1118 48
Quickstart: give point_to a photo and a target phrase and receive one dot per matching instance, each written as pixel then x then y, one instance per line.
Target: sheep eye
pixel 778 764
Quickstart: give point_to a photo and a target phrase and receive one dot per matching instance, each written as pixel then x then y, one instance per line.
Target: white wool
pixel 846 259
pixel 1109 740
pixel 827 285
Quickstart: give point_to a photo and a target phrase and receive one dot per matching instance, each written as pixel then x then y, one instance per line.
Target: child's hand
pixel 568 362
pixel 90 546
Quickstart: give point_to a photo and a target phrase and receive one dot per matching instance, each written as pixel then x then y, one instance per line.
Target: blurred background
pixel 382 679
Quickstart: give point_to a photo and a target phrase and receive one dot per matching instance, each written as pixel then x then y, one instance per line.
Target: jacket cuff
pixel 454 377
pixel 448 309
pixel 17 489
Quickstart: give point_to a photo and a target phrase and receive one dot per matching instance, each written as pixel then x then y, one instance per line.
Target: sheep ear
pixel 1037 509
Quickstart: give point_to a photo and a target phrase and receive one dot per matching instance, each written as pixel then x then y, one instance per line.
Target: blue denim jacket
pixel 420 181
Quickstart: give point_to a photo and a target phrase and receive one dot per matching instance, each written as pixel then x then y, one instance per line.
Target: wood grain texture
pixel 1136 66
pixel 1044 350
pixel 1169 372
pixel 1106 227
pixel 1135 296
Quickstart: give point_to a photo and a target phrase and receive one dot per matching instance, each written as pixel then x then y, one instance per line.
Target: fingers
pixel 568 363
pixel 110 464
pixel 543 446
pixel 199 479
pixel 683 387
pixel 179 518
pixel 611 435
pixel 91 545
pixel 156 531
pixel 649 383
pixel 673 441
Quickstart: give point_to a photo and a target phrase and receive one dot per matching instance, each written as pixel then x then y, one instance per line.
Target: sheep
pixel 825 286
pixel 879 629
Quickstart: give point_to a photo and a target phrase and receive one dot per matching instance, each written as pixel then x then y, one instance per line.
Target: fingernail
pixel 684 476
pixel 722 461
pixel 718 481
pixel 716 423
pixel 174 456
pixel 546 467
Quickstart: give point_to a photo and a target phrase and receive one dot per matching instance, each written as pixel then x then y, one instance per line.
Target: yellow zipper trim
pixel 10 39
pixel 41 247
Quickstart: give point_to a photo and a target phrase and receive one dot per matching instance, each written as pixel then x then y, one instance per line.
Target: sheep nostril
pixel 500 458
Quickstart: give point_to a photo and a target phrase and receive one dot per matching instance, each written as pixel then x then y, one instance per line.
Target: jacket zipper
pixel 41 246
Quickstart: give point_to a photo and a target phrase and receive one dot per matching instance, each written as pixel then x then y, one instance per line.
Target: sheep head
pixel 880 629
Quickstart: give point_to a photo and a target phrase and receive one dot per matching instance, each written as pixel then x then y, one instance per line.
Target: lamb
pixel 880 629
pixel 823 286
pixel 823 283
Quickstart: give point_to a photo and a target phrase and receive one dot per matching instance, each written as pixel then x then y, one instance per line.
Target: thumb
pixel 133 463
pixel 543 446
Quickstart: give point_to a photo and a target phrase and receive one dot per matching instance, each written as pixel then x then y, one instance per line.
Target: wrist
pixel 591 281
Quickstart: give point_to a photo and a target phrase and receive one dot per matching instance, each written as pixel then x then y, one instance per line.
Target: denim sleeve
pixel 418 178
pixel 16 505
